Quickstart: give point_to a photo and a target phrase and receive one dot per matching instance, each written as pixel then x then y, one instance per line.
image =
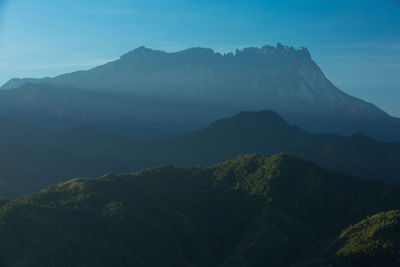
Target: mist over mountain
pixel 56 107
pixel 280 78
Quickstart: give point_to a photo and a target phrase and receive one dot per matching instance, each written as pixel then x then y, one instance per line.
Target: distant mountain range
pixel 280 78
pixel 32 158
pixel 248 211
pixel 54 107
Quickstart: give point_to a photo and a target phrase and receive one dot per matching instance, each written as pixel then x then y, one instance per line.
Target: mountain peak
pixel 140 51
pixel 248 120
pixel 282 47
pixel 198 50
pixel 266 116
pixel 277 50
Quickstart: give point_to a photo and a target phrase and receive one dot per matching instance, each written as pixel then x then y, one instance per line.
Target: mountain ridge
pixel 255 210
pixel 198 55
pixel 279 77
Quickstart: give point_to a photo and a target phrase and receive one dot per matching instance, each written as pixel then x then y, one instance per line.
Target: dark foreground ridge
pixel 253 210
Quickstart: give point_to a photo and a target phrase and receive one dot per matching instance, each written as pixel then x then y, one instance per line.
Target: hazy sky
pixel 356 43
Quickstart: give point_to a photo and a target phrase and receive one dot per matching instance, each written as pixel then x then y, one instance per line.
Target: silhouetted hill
pixel 247 132
pixel 267 133
pixel 252 210
pixel 280 78
pixel 33 158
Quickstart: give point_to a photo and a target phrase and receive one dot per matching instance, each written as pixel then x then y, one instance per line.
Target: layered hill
pixel 266 132
pixel 32 158
pixel 252 210
pixel 280 78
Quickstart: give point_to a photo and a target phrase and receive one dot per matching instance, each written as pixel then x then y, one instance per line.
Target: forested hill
pixel 253 210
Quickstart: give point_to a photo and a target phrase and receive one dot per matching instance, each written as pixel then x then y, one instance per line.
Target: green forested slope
pixel 374 241
pixel 249 211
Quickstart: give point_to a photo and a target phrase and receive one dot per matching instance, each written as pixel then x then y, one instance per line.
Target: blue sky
pixel 356 43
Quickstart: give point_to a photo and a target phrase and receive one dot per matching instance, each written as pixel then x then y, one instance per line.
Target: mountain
pixel 252 210
pixel 56 107
pixel 251 75
pixel 32 157
pixel 263 132
pixel 280 78
pixel 268 133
